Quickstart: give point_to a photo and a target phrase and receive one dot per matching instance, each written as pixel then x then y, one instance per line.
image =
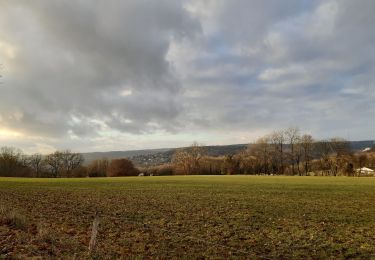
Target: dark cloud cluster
pixel 273 64
pixel 93 72
pixel 82 66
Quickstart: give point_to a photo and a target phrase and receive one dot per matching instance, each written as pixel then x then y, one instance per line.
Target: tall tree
pixel 55 163
pixel 292 136
pixel 10 161
pixel 307 146
pixel 36 163
pixel 277 138
pixel 98 168
pixel 70 161
pixel 340 151
pixel 188 159
pixel 261 150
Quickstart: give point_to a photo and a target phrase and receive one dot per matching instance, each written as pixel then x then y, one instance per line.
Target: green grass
pixel 192 217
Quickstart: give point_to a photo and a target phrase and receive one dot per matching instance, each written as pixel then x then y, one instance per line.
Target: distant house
pixel 364 171
pixel 141 174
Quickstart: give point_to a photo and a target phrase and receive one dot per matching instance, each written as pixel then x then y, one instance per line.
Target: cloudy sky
pixel 118 75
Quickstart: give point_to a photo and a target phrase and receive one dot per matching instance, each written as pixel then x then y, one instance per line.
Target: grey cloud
pixel 297 61
pixel 90 70
pixel 74 59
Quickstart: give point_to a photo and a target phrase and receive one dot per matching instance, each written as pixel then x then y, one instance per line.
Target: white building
pixel 364 171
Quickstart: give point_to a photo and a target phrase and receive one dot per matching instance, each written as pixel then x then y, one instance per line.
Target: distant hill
pixel 361 145
pixel 166 157
pixel 160 156
pixel 89 157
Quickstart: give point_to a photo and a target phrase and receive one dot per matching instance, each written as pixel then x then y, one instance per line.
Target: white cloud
pixel 126 92
pixel 88 73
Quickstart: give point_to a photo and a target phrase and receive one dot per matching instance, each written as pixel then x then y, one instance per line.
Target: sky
pixel 92 75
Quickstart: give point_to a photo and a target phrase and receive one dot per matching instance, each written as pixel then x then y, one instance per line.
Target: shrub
pixel 121 167
pixel 164 170
pixel 98 168
pixel 80 172
pixel 159 170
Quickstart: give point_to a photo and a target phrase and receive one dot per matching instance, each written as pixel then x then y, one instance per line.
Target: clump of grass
pixel 12 218
pixel 46 235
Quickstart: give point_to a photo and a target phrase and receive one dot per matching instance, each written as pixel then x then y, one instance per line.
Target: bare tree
pixel 24 160
pixel 298 154
pixel 70 161
pixel 333 154
pixel 261 150
pixel 307 146
pixel 98 168
pixel 231 165
pixel 188 159
pixel 340 152
pixel 55 163
pixel 292 136
pixel 324 149
pixel 10 161
pixel 181 160
pixel 36 163
pixel 247 161
pixel 277 138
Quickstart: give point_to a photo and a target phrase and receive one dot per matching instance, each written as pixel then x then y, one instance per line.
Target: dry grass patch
pixel 12 218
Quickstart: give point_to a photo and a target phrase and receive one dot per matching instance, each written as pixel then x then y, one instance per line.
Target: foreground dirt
pixel 190 217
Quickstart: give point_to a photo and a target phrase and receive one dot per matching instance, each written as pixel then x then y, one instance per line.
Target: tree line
pixel 282 152
pixel 14 163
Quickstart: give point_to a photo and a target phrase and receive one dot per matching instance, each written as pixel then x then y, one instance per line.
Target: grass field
pixel 189 217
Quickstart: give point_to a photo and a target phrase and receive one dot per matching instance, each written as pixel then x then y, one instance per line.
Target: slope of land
pixel 89 157
pixel 189 217
pixel 161 156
